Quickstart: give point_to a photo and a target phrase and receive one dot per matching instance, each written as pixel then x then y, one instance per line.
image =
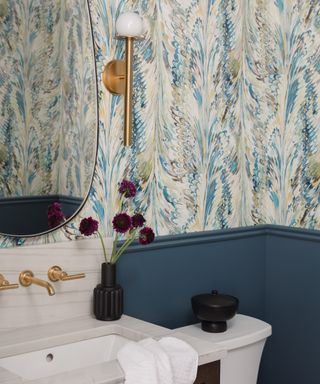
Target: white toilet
pixel 244 341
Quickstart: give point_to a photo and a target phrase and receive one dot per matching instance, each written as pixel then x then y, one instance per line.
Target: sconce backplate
pixel 114 77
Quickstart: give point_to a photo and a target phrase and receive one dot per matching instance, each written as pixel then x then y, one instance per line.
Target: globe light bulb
pixel 129 24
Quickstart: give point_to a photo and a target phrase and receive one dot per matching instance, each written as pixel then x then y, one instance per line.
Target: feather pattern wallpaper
pixel 47 95
pixel 226 115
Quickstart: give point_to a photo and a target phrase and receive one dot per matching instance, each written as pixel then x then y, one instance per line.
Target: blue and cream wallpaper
pixel 226 115
pixel 47 98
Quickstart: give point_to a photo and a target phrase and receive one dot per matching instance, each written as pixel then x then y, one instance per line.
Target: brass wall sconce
pixel 118 75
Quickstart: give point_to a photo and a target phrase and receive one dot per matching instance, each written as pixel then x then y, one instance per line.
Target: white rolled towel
pixel 183 359
pixel 138 364
pixel 169 361
pixel 162 360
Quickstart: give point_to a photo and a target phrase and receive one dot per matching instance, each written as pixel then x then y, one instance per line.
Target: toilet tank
pixel 244 341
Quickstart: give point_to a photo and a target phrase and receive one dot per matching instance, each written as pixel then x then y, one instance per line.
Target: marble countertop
pixel 35 338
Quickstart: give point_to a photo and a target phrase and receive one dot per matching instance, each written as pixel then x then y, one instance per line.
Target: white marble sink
pixel 80 350
pixel 64 358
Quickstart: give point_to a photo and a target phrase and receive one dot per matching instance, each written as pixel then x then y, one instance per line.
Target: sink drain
pixel 49 357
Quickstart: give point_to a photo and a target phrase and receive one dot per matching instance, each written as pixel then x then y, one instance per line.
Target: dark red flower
pixel 127 188
pixel 55 220
pixel 54 208
pixel 122 222
pixel 137 220
pixel 88 226
pixel 55 215
pixel 146 235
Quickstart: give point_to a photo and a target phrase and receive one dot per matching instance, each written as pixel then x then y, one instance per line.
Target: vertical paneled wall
pixel 292 295
pixel 225 117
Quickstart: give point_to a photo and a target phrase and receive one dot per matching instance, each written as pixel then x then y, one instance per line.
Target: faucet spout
pixel 27 278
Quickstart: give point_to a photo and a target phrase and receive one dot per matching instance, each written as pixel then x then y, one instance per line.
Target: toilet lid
pixel 241 331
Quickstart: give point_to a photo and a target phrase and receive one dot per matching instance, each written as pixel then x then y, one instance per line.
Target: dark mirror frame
pixel 84 201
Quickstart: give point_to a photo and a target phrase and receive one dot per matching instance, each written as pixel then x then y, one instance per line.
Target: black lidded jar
pixel 213 310
pixel 108 295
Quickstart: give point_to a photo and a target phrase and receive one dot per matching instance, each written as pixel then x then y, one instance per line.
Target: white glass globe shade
pixel 129 24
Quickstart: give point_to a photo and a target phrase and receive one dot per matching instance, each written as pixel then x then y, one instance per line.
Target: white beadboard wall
pixel 32 305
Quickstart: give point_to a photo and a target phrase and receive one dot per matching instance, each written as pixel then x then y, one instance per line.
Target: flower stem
pixel 121 202
pixel 124 246
pixel 114 245
pixel 117 253
pixel 103 246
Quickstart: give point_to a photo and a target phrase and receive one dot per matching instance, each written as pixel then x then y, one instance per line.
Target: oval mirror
pixel 48 112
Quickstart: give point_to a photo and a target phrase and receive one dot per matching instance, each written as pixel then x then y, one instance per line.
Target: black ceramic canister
pixel 108 295
pixel 213 310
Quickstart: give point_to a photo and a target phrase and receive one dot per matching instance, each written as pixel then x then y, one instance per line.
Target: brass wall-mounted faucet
pixel 27 278
pixel 56 273
pixel 4 284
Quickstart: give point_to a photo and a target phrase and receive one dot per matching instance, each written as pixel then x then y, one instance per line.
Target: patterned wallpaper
pixel 226 114
pixel 47 98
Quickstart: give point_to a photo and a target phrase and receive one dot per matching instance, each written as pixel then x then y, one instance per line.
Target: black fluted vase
pixel 108 296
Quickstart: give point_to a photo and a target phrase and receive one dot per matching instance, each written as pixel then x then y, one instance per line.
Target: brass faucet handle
pixel 4 284
pixel 56 273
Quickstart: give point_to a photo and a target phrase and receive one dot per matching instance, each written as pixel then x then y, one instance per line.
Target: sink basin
pixel 63 358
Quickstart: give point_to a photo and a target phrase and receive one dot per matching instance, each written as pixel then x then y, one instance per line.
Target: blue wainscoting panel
pixel 293 307
pixel 160 279
pixel 273 270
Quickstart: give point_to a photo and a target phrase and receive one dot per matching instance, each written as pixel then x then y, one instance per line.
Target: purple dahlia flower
pixel 146 236
pixel 127 188
pixel 55 220
pixel 88 226
pixel 122 223
pixel 54 208
pixel 55 215
pixel 137 220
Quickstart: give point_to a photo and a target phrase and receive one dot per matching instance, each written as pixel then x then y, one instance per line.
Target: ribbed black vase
pixel 108 296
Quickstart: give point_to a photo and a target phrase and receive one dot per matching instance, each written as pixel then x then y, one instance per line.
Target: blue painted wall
pixel 293 309
pixel 273 270
pixel 159 280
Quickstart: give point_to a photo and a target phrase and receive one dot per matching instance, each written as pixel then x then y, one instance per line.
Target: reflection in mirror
pixel 48 111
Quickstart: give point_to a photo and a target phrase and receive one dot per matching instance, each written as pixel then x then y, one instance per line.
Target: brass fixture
pixel 4 284
pixel 27 278
pixel 117 78
pixel 118 75
pixel 56 273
